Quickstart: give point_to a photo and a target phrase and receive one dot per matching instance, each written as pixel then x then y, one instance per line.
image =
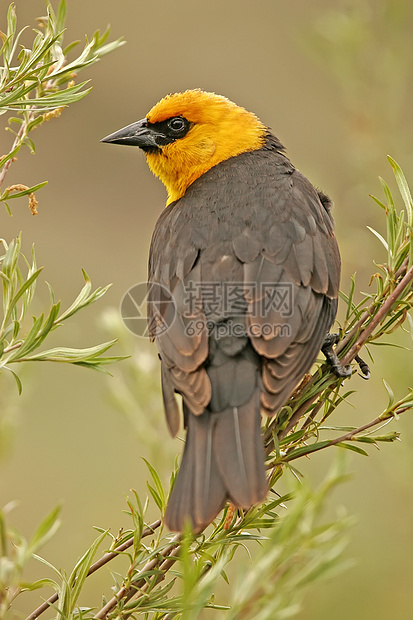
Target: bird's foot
pixel 364 368
pixel 331 357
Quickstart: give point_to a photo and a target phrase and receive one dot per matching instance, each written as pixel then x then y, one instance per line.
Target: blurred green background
pixel 334 82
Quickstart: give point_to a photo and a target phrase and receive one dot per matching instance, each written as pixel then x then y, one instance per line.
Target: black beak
pixel 137 134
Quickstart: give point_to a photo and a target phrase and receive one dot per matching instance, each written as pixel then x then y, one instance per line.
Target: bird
pixel 247 252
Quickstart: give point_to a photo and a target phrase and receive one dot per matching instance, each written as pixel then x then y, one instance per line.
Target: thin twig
pixel 107 557
pixel 370 311
pixel 348 436
pixel 378 317
pixel 127 592
pixel 362 338
pixel 17 140
pixel 160 576
pixel 298 414
pixel 312 415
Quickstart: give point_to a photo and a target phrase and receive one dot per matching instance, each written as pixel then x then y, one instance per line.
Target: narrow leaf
pixel 354 448
pixel 45 531
pixel 403 188
pixel 379 237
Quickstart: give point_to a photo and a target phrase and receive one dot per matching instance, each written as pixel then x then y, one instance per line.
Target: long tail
pixel 223 460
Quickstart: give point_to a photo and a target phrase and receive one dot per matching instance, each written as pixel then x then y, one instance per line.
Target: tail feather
pixel 223 459
pixel 240 453
pixel 199 492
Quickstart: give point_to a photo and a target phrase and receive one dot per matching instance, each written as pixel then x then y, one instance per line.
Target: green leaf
pixel 365 439
pixel 29 343
pixel 379 237
pixel 80 571
pixel 303 450
pixel 17 379
pixel 38 120
pixel 390 394
pixel 69 47
pixel 48 564
pixel 354 448
pixel 20 293
pixel 45 531
pixel 155 496
pixel 340 429
pixel 11 257
pixel 158 485
pixel 61 16
pixel 379 202
pixel 387 193
pixel 351 309
pixel 36 585
pixel 403 188
pixel 292 438
pixel 84 298
pixel 71 354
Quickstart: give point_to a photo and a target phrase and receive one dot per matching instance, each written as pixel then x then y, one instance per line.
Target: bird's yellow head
pixel 186 134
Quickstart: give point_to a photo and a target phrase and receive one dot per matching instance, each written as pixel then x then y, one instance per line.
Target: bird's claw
pixel 364 368
pixel 331 357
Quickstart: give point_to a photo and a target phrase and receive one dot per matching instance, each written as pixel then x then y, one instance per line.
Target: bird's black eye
pixel 170 130
pixel 176 124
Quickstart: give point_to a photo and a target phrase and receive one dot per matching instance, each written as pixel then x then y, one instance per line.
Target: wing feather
pixel 257 221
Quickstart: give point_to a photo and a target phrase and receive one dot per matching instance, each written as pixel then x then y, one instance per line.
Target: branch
pixel 381 313
pixel 344 438
pixel 362 338
pixel 370 311
pixel 18 139
pixel 107 557
pixel 164 560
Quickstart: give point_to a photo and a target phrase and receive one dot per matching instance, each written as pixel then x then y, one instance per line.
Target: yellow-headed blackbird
pixel 247 249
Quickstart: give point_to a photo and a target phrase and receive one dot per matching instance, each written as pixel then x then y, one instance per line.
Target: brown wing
pixel 294 298
pixel 183 344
